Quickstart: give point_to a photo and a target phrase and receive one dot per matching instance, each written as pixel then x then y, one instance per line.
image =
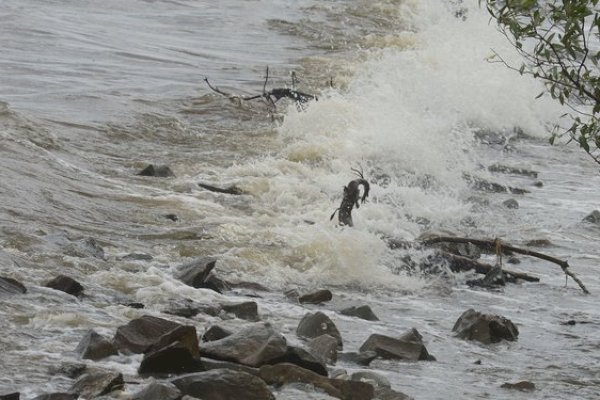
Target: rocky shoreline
pixel 254 361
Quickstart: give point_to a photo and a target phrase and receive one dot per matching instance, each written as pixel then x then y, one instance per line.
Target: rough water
pixel 91 92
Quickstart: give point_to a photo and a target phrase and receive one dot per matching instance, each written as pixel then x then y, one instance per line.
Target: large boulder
pixel 221 384
pixel 302 358
pixel 317 324
pixel 97 383
pixel 283 374
pixel 66 284
pixel 158 391
pixel 484 328
pixel 141 333
pixel 175 358
pixel 95 347
pixel 253 346
pixel 11 286
pixel 409 346
pixel 184 334
pixel 362 312
pixel 324 348
pixel 215 332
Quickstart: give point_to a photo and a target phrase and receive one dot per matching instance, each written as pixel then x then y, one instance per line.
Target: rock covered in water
pixel 220 384
pixel 324 348
pixel 283 374
pixel 409 346
pixel 511 203
pixel 320 296
pixel 524 386
pixel 362 312
pixel 66 284
pixel 141 333
pixel 10 396
pixel 56 396
pixel 484 328
pixel 253 346
pixel 317 324
pixel 362 358
pixel 11 286
pixel 247 310
pixel 593 217
pixel 158 391
pixel 95 347
pixel 97 383
pixel 373 378
pixel 159 171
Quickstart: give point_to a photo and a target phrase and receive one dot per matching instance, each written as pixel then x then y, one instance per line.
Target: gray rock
pixel 56 396
pixel 302 358
pixel 66 284
pixel 253 346
pixel 511 203
pixel 175 358
pixel 11 286
pixel 485 328
pixel 317 324
pixel 196 272
pixel 524 386
pixel 141 333
pixel 593 217
pixel 97 383
pixel 158 391
pixel 384 393
pixel 83 248
pixel 292 294
pixel 209 364
pixel 363 358
pixel 373 378
pixel 222 384
pixel 184 334
pixel 363 312
pixel 409 346
pixel 320 296
pixel 70 370
pixel 215 332
pixel 324 348
pixel 247 310
pixel 159 171
pixel 283 374
pixel 95 347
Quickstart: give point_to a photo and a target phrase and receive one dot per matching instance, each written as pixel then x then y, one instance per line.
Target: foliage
pixel 560 44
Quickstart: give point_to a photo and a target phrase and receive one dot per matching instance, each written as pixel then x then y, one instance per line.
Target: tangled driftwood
pixel 351 198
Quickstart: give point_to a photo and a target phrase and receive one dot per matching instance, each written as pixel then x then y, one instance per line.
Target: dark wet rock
pixel 95 347
pixel 228 190
pixel 159 171
pixel 158 391
pixel 253 346
pixel 524 386
pixel 283 374
pixel 247 310
pixel 485 328
pixel 56 396
pixel 302 358
pixel 513 260
pixel 373 378
pixel 66 284
pixel 320 296
pixel 10 396
pixel 172 217
pixel 217 284
pixel 184 334
pixel 141 333
pixel 11 286
pixel 97 383
pixel 188 308
pixel 384 393
pixel 317 324
pixel 363 312
pixel 538 243
pixel 324 348
pixel 505 169
pixel 209 364
pixel 409 346
pixel 70 370
pixel 511 203
pixel 593 217
pixel 477 362
pixel 175 358
pixel 215 332
pixel 83 248
pixel 195 272
pixel 137 257
pixel 136 305
pixel 538 184
pixel 221 384
pixel 363 358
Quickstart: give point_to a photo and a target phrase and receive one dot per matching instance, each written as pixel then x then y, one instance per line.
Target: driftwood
pixel 229 190
pixel 270 97
pixel 498 247
pixel 460 263
pixel 351 198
